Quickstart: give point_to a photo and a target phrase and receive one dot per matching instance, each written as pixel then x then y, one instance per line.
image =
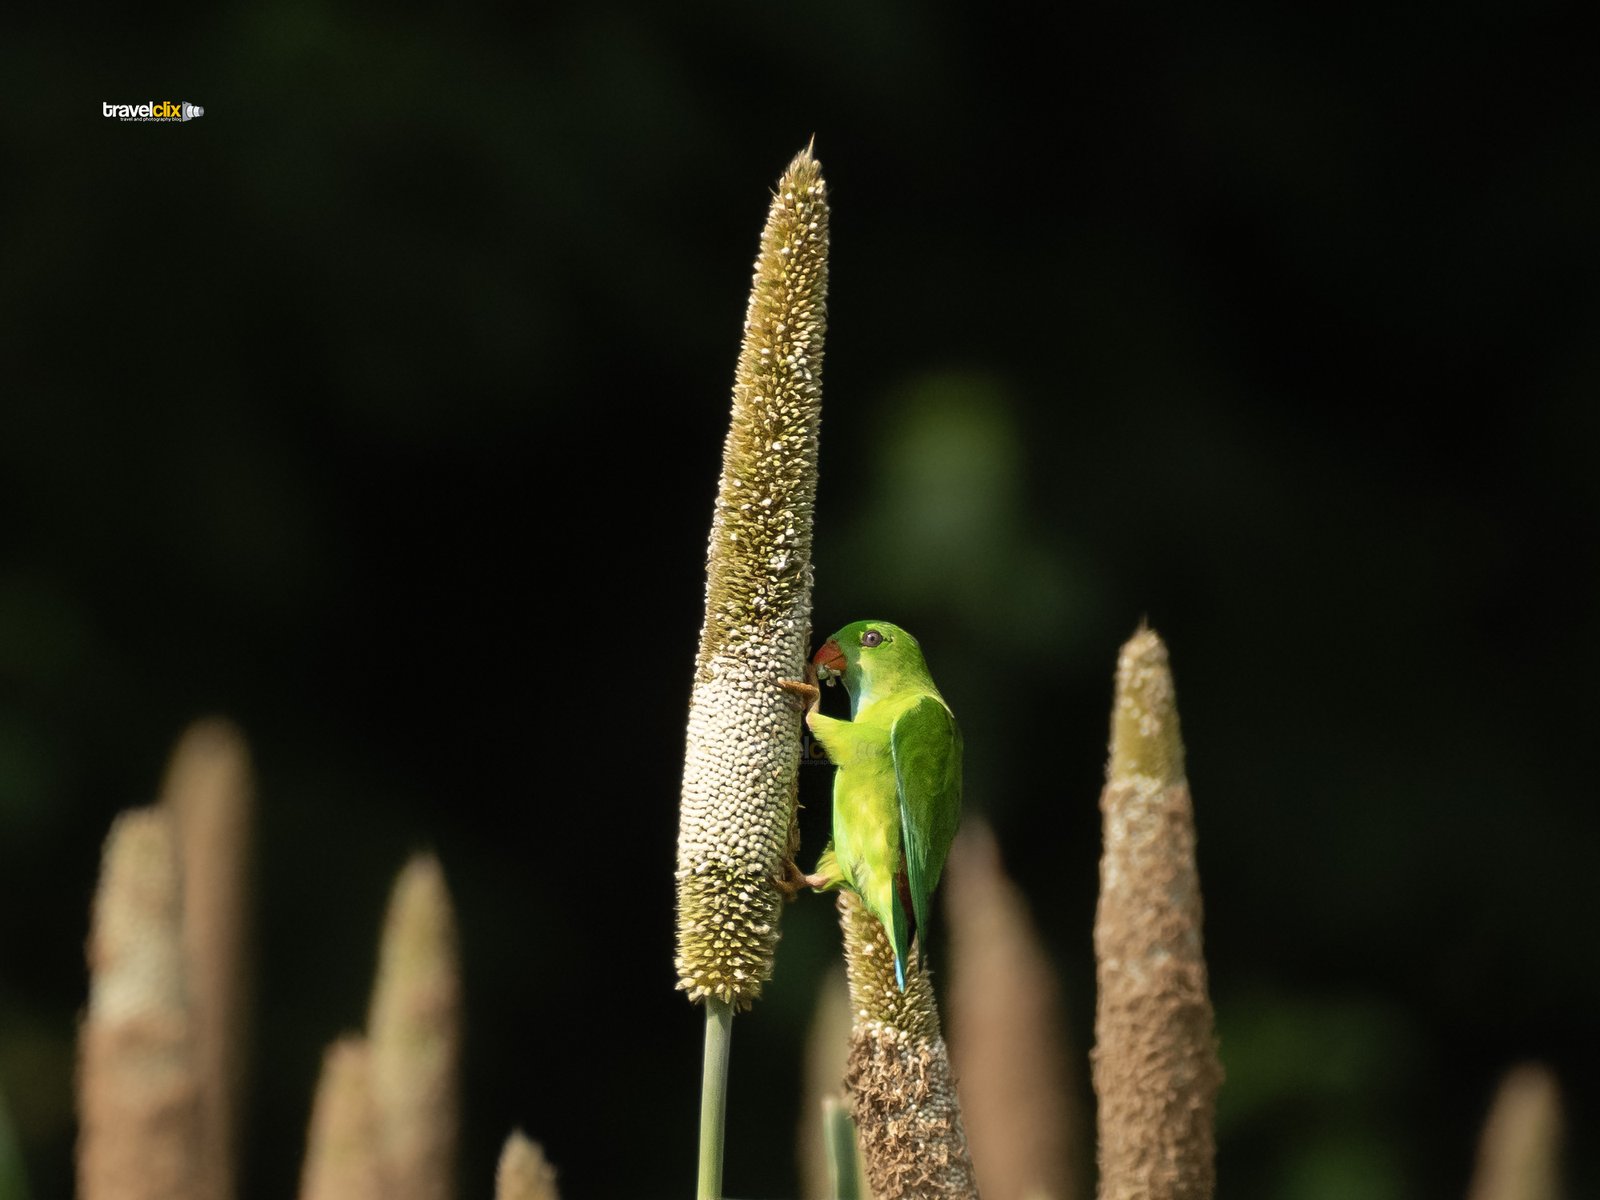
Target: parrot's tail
pixel 903 926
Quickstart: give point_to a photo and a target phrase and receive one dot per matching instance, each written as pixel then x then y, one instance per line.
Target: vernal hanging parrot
pixel 897 787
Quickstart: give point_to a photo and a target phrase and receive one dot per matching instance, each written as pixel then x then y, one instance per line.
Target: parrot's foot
pixel 791 880
pixel 810 694
pixel 827 876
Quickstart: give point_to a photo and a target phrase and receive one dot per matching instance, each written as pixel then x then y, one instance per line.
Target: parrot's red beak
pixel 829 659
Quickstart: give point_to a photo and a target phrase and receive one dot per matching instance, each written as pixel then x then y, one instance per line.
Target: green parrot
pixel 897 788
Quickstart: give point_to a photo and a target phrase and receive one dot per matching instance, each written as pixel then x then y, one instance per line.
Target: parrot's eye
pixel 871 638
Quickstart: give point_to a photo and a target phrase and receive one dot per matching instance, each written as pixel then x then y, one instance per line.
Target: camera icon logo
pixel 190 111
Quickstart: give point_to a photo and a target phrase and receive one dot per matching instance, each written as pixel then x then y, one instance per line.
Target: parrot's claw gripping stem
pixel 791 880
pixel 810 694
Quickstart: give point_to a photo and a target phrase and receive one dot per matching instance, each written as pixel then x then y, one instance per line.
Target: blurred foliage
pixel 321 409
pixel 12 1184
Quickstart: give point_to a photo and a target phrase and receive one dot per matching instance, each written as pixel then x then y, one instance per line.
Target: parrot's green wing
pixel 926 746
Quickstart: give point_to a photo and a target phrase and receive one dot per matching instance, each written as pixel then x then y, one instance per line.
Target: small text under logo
pixel 154 110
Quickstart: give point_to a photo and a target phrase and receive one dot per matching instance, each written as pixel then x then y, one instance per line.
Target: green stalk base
pixel 714 1097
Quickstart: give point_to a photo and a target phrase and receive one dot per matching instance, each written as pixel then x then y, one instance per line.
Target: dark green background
pixel 381 408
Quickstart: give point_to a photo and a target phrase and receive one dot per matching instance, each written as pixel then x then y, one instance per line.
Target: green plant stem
pixel 714 1096
pixel 844 1161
